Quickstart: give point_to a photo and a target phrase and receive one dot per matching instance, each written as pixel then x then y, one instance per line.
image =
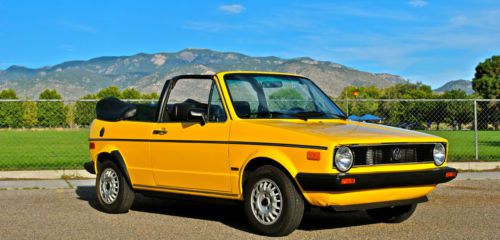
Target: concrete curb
pixel 46 174
pixel 45 184
pixel 475 166
pixel 478 176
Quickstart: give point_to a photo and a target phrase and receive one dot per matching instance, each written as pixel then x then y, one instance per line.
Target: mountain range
pixel 148 72
pixel 464 85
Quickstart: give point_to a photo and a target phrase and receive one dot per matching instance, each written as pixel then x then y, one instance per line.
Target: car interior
pixel 242 108
pixel 179 112
pixel 114 109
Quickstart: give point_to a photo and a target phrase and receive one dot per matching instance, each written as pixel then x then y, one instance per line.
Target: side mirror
pixel 198 114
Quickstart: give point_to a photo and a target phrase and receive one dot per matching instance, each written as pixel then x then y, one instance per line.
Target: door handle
pixel 160 131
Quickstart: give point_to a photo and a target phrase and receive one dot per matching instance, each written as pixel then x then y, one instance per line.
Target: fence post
pixel 347 105
pixel 475 130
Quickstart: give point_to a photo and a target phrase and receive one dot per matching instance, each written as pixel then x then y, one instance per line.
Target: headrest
pixel 113 109
pixel 242 108
pixel 180 111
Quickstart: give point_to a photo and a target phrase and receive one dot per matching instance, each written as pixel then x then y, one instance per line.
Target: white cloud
pixel 232 9
pixel 418 3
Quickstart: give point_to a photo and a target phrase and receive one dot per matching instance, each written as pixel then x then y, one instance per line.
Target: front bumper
pixel 319 182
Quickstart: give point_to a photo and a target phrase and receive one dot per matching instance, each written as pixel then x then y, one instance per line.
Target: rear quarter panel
pixel 129 139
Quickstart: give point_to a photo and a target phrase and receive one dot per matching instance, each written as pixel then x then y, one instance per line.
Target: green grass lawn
pixel 68 149
pixel 461 144
pixel 43 149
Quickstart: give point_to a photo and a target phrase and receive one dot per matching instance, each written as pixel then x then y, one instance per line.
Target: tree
pixel 51 113
pixel 30 117
pixel 130 93
pixel 486 83
pixel 457 113
pixel 408 111
pixel 111 91
pixel 85 110
pixel 8 94
pixel 408 91
pixel 50 94
pixel 10 112
pixel 360 108
pixel 364 92
pixel 486 80
pixel 287 98
pixel 70 115
pixel 152 95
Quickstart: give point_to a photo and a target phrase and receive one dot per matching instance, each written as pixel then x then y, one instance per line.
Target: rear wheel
pixel 395 214
pixel 273 205
pixel 113 191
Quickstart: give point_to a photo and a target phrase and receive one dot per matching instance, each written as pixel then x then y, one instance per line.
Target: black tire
pixel 291 202
pixel 120 202
pixel 396 214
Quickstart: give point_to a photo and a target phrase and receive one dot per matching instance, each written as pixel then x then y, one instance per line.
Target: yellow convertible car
pixel 273 141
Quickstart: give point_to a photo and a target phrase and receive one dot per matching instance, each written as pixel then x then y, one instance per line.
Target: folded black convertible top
pixel 113 109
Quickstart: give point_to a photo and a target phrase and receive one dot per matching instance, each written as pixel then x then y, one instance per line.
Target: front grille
pixel 392 154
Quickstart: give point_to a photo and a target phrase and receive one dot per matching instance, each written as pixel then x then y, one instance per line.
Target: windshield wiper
pixel 311 114
pixel 339 116
pixel 262 114
pixel 306 115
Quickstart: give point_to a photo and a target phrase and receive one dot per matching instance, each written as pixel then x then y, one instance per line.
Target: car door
pixel 187 154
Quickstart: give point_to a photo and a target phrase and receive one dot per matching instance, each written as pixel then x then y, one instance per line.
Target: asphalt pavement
pixel 461 209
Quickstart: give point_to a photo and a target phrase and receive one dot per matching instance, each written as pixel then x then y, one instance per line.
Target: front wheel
pixel 113 191
pixel 395 214
pixel 273 205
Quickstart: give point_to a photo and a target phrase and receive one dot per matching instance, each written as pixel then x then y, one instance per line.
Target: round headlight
pixel 343 159
pixel 439 153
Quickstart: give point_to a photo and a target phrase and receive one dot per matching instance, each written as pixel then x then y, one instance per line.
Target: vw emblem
pixel 396 154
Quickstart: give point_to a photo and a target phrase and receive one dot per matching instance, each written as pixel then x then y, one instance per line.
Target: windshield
pixel 276 96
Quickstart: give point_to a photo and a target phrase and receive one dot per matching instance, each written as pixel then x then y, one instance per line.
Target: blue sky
pixel 432 41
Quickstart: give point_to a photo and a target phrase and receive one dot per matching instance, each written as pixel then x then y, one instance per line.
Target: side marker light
pixel 347 181
pixel 313 155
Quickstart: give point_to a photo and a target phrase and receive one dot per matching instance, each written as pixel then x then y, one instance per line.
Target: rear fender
pixel 112 153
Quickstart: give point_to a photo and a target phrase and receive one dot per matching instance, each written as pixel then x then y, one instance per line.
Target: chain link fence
pixel 46 134
pixel 470 126
pixel 52 134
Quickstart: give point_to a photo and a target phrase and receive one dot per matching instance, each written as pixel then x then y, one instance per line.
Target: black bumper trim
pixel 89 166
pixel 366 206
pixel 331 182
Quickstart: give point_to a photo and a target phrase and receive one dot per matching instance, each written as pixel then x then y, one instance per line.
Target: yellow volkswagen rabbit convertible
pixel 273 141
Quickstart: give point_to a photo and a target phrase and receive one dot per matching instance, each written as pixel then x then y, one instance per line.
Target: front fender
pixel 273 154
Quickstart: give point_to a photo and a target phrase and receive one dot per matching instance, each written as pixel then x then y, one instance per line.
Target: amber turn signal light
pixel 450 174
pixel 347 181
pixel 313 155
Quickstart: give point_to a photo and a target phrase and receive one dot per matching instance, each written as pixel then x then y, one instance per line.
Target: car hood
pixel 338 132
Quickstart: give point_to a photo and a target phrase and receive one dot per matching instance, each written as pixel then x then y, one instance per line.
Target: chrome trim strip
pixel 390 164
pixel 388 144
